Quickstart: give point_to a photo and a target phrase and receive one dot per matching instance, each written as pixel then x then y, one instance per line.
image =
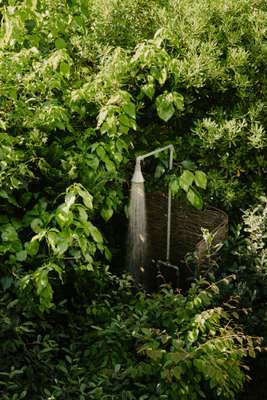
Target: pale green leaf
pixel 21 255
pixel 194 198
pixel 186 180
pixel 201 179
pixel 165 108
pixel 9 233
pixel 178 101
pixel 95 233
pixel 37 225
pixel 149 90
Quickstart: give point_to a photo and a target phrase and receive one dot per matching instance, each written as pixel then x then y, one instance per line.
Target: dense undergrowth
pixel 85 87
pixel 125 345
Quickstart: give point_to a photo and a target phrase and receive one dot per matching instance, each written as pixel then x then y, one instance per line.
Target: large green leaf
pixel 194 198
pixel 95 233
pixel 21 255
pixel 8 233
pixel 129 109
pixel 37 225
pixel 186 180
pixel 201 179
pixel 85 195
pixel 165 108
pixel 149 90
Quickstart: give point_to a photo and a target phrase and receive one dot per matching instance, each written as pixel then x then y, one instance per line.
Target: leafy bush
pixel 81 96
pixel 76 107
pixel 125 345
pixel 246 256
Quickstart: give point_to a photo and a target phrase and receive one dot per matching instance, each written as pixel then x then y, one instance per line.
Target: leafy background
pixel 81 96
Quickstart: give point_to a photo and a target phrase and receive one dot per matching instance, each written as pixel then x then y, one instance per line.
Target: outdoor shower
pixel 137 236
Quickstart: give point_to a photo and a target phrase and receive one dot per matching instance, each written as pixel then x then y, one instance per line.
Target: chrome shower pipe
pixel 138 177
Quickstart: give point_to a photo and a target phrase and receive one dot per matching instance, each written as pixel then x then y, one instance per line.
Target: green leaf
pixel 102 116
pixel 43 288
pixel 21 255
pixel 60 43
pixel 177 372
pixel 86 196
pixel 69 200
pixel 108 254
pixel 162 76
pixel 155 354
pixel 82 214
pixel 64 68
pixel 201 179
pixel 100 151
pixel 194 198
pixel 165 106
pixel 9 233
pixel 32 247
pixel 6 282
pixel 174 185
pixel 106 213
pixel 11 199
pixel 187 164
pixel 59 241
pixel 124 120
pixel 149 90
pixel 129 109
pixel 95 233
pixel 37 225
pixel 110 165
pixel 2 125
pixel 92 161
pixel 63 216
pixel 178 101
pixel 186 180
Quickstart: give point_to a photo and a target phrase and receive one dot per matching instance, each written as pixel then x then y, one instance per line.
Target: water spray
pixel 137 240
pixel 138 178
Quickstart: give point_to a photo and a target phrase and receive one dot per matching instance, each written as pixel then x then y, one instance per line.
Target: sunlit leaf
pixel 186 180
pixel 194 198
pixel 201 179
pixel 165 108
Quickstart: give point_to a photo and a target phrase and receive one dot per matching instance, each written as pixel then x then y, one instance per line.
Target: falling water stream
pixel 137 235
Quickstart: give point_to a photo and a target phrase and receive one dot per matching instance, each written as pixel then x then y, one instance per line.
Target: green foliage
pixel 81 96
pixel 57 241
pixel 124 345
pixel 247 257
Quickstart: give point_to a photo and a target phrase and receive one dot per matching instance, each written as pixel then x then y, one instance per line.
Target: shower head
pixel 138 176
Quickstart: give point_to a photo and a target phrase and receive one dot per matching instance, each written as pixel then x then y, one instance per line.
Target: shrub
pixel 125 345
pixel 246 256
pixel 76 107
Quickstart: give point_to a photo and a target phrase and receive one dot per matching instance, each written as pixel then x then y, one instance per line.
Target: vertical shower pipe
pixel 140 158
